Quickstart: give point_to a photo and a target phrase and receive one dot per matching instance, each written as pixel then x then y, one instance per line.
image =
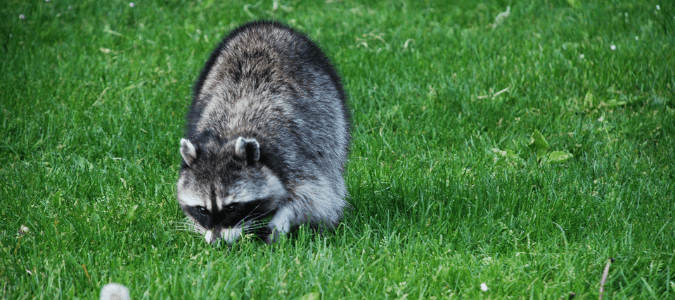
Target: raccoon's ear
pixel 188 151
pixel 247 149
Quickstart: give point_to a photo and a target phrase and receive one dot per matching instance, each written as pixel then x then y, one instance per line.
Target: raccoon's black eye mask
pixel 203 211
pixel 231 214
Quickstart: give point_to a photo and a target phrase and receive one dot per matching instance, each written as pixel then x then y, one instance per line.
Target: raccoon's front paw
pixel 269 235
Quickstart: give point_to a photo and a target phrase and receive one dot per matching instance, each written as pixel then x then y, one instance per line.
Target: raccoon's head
pixel 225 190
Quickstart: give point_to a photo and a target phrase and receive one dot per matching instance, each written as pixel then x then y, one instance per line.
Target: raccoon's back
pixel 269 82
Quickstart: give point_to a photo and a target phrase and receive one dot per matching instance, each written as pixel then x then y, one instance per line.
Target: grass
pixel 447 190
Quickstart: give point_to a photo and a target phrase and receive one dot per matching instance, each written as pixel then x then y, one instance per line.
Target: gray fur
pixel 268 132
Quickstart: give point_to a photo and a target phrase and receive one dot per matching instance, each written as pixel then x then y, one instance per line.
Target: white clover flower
pixel 658 7
pixel 21 16
pixel 483 287
pixel 637 38
pixel 613 47
pixel 131 4
pixel 581 56
pixel 23 230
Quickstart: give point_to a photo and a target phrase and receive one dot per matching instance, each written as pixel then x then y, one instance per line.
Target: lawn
pixel 521 152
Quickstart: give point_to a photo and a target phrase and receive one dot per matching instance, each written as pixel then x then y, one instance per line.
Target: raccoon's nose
pixel 209 236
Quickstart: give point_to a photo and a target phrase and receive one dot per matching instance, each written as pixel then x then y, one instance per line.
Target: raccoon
pixel 267 138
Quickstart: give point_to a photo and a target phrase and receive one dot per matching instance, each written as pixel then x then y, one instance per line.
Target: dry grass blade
pixel 604 277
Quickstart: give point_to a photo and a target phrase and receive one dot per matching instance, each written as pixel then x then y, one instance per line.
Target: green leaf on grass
pixel 558 156
pixel 131 214
pixel 538 144
pixel 310 296
pixel 57 197
pixel 512 155
pixel 588 100
pixel 614 103
pixel 509 154
pixel 574 3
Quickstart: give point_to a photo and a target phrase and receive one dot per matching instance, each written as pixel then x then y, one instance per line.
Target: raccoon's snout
pixel 229 235
pixel 209 237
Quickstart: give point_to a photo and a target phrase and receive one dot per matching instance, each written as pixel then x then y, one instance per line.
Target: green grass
pixel 446 191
